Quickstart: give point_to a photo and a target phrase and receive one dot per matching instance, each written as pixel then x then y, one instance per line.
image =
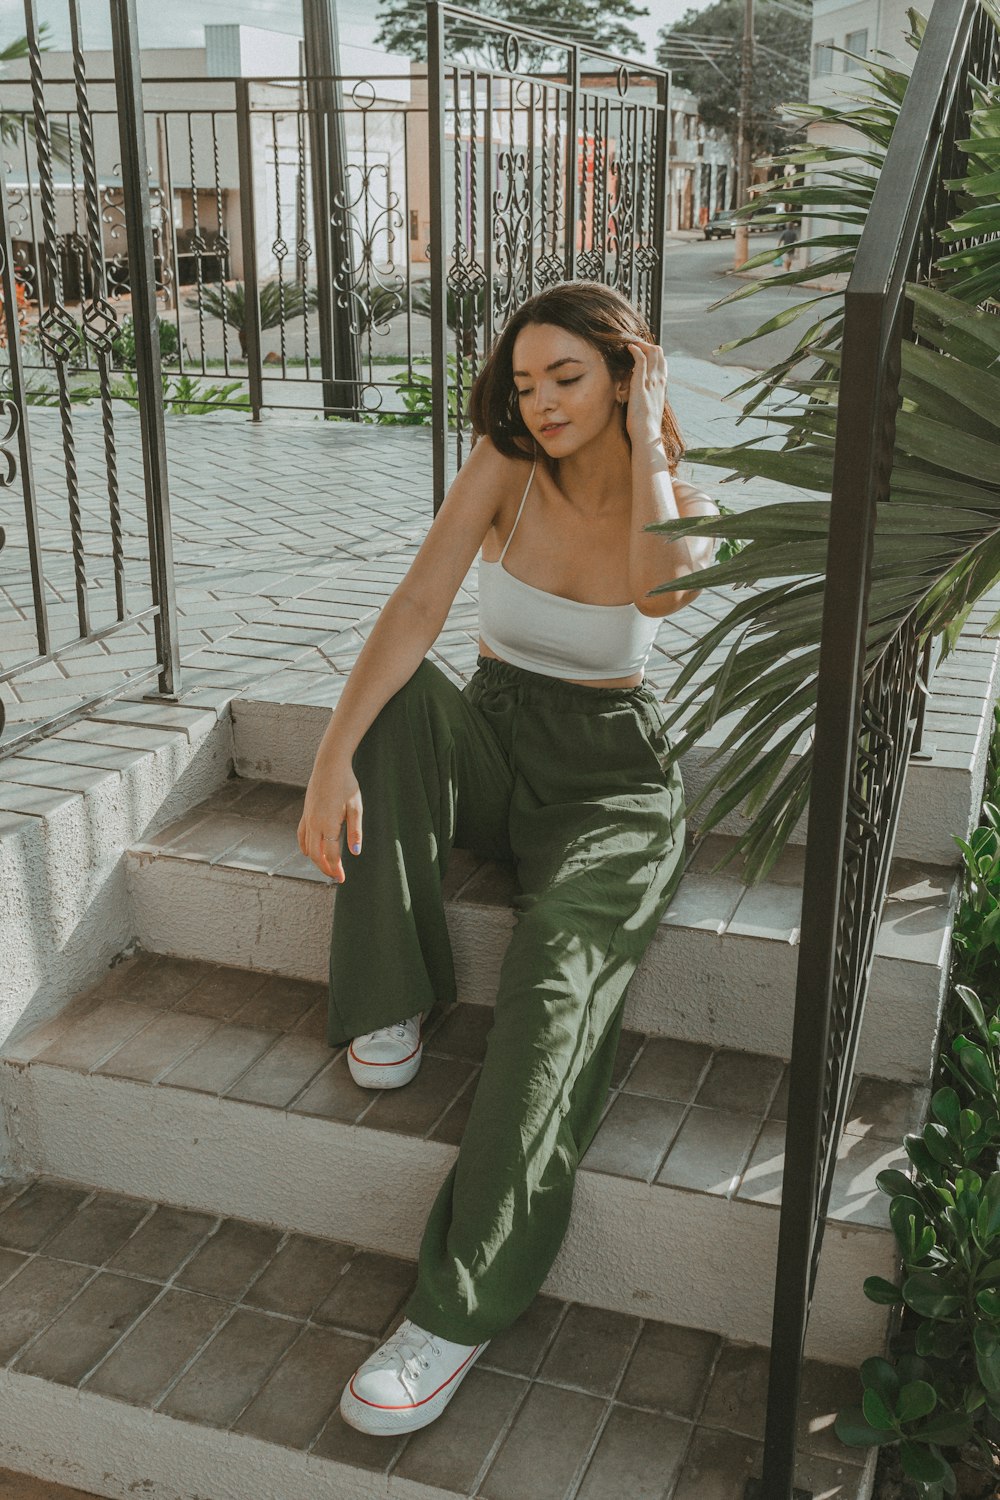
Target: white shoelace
pixel 399 1028
pixel 409 1343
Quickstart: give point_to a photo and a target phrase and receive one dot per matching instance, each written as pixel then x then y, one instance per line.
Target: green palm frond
pixel 972 271
pixel 281 301
pixel 937 540
pixel 842 198
pixel 937 550
pixel 61 136
pixel 276 302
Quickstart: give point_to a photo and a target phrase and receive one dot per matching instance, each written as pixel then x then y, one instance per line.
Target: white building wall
pixel 866 27
pixel 208 134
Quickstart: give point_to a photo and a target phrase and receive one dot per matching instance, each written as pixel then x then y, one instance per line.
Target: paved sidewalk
pixel 288 537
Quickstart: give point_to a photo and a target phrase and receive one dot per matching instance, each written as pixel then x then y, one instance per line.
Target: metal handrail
pixel 864 729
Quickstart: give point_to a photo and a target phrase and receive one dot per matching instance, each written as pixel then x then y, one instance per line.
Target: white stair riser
pixel 663 1252
pixel 730 991
pixel 278 742
pixel 63 900
pixel 106 1447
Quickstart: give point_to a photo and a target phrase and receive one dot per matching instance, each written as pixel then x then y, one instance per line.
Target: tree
pixel 782 35
pixel 404 25
pixel 11 124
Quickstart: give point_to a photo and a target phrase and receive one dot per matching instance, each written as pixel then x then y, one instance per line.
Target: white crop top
pixel 558 637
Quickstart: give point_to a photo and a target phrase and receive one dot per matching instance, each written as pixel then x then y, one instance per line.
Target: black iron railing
pixel 548 161
pixel 267 242
pixel 252 296
pixel 865 719
pixel 60 335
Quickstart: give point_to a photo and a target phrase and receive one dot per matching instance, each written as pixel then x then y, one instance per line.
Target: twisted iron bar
pixel 57 330
pixel 197 243
pixel 303 249
pixel 99 317
pixel 279 248
pixel 221 242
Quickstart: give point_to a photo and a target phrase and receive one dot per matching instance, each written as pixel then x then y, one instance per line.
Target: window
pixel 823 57
pixel 855 41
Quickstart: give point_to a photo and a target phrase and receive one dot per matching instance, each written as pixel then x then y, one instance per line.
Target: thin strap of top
pixel 524 497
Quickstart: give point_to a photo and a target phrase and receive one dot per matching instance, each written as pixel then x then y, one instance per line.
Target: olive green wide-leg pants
pixel 567 782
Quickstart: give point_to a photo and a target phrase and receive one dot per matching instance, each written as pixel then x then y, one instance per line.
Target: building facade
pixel 862 28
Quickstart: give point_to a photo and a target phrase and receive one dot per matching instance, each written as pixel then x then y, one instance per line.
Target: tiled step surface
pixel 690 1146
pixel 228 882
pixel 239 1329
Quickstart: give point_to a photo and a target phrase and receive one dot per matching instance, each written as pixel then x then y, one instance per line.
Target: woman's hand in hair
pixel 647 392
pixel 333 797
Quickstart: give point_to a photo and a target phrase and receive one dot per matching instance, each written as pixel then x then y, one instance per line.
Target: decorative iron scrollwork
pixel 375 291
pixel 3 710
pixel 10 410
pixel 100 324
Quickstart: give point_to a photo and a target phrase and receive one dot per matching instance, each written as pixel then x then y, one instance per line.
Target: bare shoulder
pixel 476 496
pixel 488 459
pixel 499 476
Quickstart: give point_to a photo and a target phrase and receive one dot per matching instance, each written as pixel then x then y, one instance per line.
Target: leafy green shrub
pixel 123 343
pixel 729 546
pixel 976 934
pixel 415 390
pixel 941 1389
pixel 946 1222
pixel 184 395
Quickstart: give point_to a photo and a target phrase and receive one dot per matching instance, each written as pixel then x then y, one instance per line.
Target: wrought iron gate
pixel 548 162
pixel 60 336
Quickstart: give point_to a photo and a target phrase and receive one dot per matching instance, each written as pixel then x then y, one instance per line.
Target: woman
pixel 550 756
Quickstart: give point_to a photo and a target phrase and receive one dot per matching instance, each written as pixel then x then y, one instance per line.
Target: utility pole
pixel 743 134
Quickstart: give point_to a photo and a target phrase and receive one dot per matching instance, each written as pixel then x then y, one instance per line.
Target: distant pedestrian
pixel 788 239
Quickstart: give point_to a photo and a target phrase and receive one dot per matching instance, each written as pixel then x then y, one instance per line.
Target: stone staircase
pixel 205 1225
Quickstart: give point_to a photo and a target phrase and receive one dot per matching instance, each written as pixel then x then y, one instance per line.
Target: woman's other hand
pixel 333 797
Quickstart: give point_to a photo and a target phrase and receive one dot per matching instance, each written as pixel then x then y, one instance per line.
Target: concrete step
pixel 228 883
pixel 155 1347
pixel 277 730
pixel 198 1084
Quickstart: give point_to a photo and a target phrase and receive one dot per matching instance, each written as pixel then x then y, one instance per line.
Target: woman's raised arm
pixel 410 621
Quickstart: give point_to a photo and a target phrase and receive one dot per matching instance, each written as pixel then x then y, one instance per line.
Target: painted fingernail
pixel 356 848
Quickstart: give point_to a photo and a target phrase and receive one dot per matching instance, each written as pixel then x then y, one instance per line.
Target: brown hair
pixel 594 312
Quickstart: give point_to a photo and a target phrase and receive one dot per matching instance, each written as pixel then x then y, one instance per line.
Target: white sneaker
pixel 407 1382
pixel 389 1057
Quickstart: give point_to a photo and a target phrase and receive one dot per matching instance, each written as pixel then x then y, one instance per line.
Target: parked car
pixel 720 224
pixel 724 223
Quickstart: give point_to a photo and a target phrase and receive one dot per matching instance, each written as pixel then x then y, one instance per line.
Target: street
pixel 696 277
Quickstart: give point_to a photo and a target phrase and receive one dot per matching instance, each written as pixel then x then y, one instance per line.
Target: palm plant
pixel 464 313
pixel 281 301
pixel 11 124
pixel 937 543
pixel 278 302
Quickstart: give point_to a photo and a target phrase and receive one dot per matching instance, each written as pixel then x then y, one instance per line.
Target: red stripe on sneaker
pixel 412 1405
pixel 395 1064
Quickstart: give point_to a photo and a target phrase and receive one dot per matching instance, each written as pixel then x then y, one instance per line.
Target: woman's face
pixel 563 385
